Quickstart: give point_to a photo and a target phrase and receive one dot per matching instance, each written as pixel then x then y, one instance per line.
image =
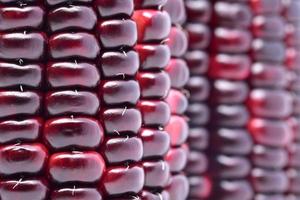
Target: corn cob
pixel 292 57
pixel 177 126
pixel 149 99
pixel 71 106
pixel 231 144
pixel 23 156
pixel 269 103
pixel 198 87
pixel 78 152
pixel 153 29
pixel 120 94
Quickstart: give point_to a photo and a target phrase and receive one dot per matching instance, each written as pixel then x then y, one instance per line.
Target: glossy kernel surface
pixel 14 75
pixel 228 92
pixel 116 121
pixel 177 42
pixel 109 8
pixel 68 74
pixel 154 113
pixel 22 159
pixel 198 88
pixel 29 46
pixel 266 51
pixel 178 130
pixel 177 101
pixel 197 61
pixel 117 33
pixel 178 72
pixel 152 25
pixel 153 56
pixel 231 40
pixel 15 130
pixel 26 189
pixel 68 18
pixel 178 187
pixel 232 14
pixel 72 102
pixel 198 11
pixel 176 10
pixel 268 75
pixel 268 103
pixel 269 181
pixel 230 115
pixel 275 133
pixel 154 84
pixel 271 27
pixel 232 141
pixel 82 167
pixel 236 67
pixel 198 138
pixel 24 103
pixel 118 150
pixel 14 18
pixel 79 133
pixel 197 163
pixel 117 64
pixel 155 142
pixel 73 45
pixel 155 169
pixel 267 157
pixel 177 158
pixel 119 180
pixel 233 190
pixel 120 92
pixel 199 36
pixel 231 166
